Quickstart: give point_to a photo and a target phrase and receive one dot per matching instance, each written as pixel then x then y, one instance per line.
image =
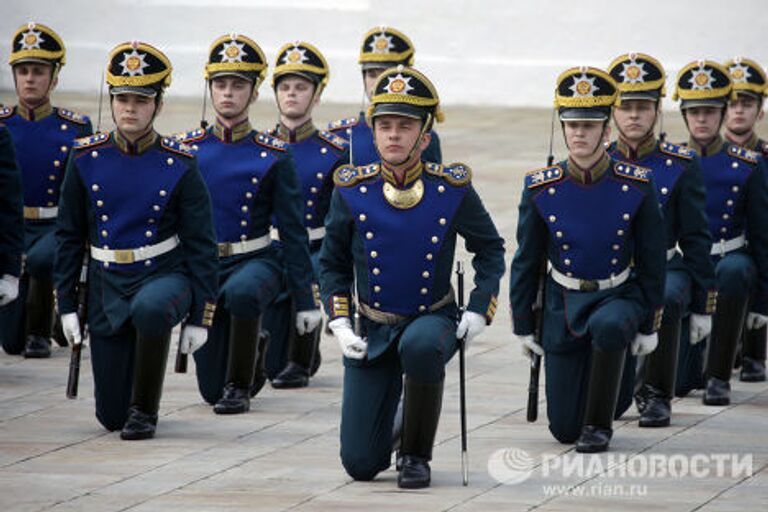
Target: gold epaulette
pixel 678 151
pixel 176 146
pixel 764 148
pixel 343 123
pixel 349 175
pixel 743 154
pixel 333 139
pixel 633 172
pixel 90 141
pixel 456 174
pixel 73 116
pixel 543 176
pixel 270 142
pixel 190 136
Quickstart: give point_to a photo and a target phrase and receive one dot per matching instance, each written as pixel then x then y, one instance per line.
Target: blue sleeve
pixel 336 259
pixel 72 230
pixel 474 224
pixel 532 237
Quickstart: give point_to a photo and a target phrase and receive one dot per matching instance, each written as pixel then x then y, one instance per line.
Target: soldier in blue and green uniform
pixel 301 73
pixel 251 178
pixel 136 201
pixel 388 250
pixel 42 135
pixel 593 221
pixel 11 220
pixel 382 48
pixel 737 210
pixel 690 290
pixel 751 86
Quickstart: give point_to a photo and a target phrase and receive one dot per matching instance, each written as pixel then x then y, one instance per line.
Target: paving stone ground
pixel 283 455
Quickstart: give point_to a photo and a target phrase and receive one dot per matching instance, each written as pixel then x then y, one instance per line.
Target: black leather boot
pixel 421 413
pixel 260 371
pixel 39 319
pixel 302 352
pixel 241 364
pixel 602 393
pixel 727 326
pixel 659 377
pixel 148 374
pixel 753 360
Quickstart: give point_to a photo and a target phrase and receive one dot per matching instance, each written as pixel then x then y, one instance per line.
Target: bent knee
pixel 361 468
pixel 565 433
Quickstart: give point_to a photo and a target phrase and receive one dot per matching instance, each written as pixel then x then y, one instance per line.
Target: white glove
pixel 192 338
pixel 644 344
pixel 307 321
pixel 701 326
pixel 529 346
pixel 756 320
pixel 352 345
pixel 9 289
pixel 70 325
pixel 471 325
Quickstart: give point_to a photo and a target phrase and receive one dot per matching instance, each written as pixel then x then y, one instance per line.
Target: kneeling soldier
pixel 594 222
pixel 42 136
pixel 251 177
pixel 737 210
pixel 138 200
pixel 390 240
pixel 690 290
pixel 301 73
pixel 744 112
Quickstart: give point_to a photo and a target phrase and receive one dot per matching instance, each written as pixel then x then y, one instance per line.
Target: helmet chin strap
pixel 408 157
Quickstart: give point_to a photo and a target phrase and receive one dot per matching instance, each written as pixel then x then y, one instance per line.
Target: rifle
pixel 82 316
pixel 462 380
pixel 532 412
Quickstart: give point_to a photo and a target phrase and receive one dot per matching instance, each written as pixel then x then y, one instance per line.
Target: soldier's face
pixel 743 113
pixel 133 114
pixel 584 138
pixel 295 97
pixel 635 118
pixel 703 122
pixel 369 78
pixel 231 96
pixel 395 136
pixel 34 82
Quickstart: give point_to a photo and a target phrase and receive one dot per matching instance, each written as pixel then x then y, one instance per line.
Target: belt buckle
pixel 588 286
pixel 124 256
pixel 225 249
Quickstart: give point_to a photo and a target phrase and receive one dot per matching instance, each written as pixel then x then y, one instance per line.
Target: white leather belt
pixel 589 285
pixel 34 212
pixel 244 247
pixel 314 234
pixel 126 256
pixel 723 247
